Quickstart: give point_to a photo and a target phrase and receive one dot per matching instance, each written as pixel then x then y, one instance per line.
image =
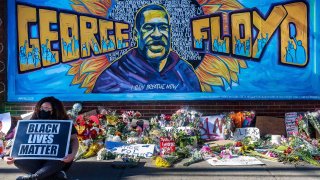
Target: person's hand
pixel 9 160
pixel 68 158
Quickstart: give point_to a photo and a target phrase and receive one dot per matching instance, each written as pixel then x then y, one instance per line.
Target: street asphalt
pixel 91 169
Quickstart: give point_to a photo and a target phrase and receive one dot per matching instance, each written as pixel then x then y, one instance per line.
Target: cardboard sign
pixel 212 127
pixel 270 125
pixel 167 146
pixel 290 122
pixel 139 150
pixel 41 139
pixel 241 133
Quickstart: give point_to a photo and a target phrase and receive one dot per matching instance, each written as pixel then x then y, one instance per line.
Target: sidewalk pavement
pixel 91 169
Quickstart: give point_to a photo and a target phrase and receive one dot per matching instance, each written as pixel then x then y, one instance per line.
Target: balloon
pixel 77 107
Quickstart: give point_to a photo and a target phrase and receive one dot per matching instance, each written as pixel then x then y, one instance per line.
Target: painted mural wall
pixel 128 50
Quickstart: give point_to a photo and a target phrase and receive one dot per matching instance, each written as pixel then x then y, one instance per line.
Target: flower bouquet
pixel 91 135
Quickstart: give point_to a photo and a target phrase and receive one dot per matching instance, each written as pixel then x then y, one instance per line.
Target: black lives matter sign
pixel 42 139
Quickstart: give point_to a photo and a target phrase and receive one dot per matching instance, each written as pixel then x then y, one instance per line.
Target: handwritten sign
pixel 167 146
pixel 212 127
pixel 241 133
pixel 290 122
pixel 236 161
pixel 41 139
pixel 139 150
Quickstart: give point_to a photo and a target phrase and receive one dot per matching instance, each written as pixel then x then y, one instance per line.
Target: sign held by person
pixel 42 139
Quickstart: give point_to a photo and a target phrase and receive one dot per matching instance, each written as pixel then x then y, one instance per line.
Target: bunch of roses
pixel 89 127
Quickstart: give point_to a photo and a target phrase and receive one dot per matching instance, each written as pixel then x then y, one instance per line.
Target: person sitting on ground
pixel 48 108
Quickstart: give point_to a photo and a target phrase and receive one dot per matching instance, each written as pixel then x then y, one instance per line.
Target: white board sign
pixel 241 133
pixel 212 127
pixel 235 161
pixel 139 150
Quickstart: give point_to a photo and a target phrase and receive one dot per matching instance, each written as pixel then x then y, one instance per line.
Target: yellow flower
pixel 161 162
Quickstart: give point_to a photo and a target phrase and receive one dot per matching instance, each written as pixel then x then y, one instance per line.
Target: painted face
pixel 154 35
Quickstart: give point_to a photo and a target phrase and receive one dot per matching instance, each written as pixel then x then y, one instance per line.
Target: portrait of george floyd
pixel 151 66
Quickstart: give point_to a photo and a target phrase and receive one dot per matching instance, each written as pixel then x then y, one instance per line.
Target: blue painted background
pixel 265 79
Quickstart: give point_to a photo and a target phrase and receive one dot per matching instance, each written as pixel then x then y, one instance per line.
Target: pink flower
pixel 139 130
pixel 205 149
pixel 315 142
pixel 130 113
pixel 270 154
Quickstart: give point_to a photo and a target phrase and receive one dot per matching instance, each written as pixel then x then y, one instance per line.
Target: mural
pixel 128 50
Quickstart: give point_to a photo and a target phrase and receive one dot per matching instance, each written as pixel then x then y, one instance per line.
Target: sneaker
pixel 27 177
pixel 61 175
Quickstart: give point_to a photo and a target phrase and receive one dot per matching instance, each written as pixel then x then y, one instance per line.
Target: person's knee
pixel 20 162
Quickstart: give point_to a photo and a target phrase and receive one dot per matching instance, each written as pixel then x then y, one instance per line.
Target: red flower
pixel 288 150
pixel 167 117
pixel 80 121
pixel 100 116
pixel 238 144
pixel 93 134
pixel 89 125
pixel 94 119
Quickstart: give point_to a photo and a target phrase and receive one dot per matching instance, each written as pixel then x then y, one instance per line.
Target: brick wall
pixel 151 108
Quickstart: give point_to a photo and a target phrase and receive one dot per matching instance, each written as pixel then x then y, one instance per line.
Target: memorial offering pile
pixel 186 134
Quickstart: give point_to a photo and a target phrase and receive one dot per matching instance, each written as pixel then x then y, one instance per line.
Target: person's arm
pixel 74 147
pixel 9 160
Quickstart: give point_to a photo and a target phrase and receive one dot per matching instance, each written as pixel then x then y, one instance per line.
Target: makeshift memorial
pixel 172 138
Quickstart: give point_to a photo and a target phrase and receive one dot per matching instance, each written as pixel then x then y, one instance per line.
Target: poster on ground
pixel 134 150
pixel 235 161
